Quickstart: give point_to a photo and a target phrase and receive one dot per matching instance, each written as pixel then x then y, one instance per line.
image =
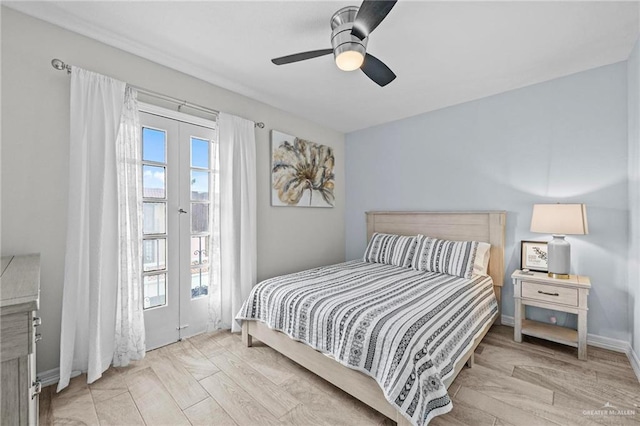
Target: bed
pixel 347 368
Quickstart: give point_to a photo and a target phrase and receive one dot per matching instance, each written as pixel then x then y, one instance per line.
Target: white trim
pixel 176 115
pixel 507 320
pixel 601 342
pixel 634 359
pixel 49 377
pixel 56 15
pixel 608 343
pixel 592 339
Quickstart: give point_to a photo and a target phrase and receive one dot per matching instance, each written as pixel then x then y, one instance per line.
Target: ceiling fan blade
pixel 296 57
pixel 369 16
pixel 377 71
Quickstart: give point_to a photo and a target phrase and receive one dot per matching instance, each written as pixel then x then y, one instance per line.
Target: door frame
pixel 177 115
pixel 200 122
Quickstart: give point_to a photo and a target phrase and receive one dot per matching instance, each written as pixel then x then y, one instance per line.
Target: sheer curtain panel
pixel 92 268
pixel 237 151
pixel 129 328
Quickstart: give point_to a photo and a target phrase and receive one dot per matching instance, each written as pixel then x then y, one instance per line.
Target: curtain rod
pixel 60 66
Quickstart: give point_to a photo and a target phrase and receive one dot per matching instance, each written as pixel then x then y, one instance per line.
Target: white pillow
pixel 444 256
pixel 481 262
pixel 391 249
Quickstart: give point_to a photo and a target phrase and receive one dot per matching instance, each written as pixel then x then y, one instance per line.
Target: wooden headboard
pixel 487 227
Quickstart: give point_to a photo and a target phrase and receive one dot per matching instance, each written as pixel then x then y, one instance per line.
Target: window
pixel 154 217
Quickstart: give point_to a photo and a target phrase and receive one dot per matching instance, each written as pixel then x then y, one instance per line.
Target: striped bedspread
pixel 404 328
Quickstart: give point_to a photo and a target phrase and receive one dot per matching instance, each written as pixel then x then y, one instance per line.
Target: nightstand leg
pixel 582 335
pixel 517 320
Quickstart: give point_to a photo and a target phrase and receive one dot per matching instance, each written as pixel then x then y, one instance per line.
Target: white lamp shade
pixel 561 219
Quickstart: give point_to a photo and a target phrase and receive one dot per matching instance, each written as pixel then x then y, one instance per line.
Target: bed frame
pixel 461 226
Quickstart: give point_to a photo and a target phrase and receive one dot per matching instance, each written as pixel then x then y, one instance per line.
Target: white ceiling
pixel 443 53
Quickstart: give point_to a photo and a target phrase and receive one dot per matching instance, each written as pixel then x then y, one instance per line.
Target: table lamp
pixel 559 220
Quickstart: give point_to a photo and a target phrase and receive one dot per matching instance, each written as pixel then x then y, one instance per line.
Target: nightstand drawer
pixel 550 293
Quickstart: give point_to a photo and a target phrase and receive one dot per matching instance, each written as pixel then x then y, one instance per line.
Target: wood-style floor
pixel 213 379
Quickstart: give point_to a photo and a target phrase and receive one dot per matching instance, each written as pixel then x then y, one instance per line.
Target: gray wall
pixel 633 100
pixel 560 141
pixel 35 129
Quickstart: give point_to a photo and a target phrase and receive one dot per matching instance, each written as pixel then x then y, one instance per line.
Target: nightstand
pixel 565 295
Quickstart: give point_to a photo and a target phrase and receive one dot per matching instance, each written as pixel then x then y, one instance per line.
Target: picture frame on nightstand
pixel 534 256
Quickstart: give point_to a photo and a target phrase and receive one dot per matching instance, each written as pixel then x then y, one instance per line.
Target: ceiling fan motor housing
pixel 341 38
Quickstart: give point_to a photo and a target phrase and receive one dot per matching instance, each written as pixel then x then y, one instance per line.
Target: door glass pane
pixel 199 153
pixel 199 282
pixel 153 178
pixel 154 254
pixel 199 250
pixel 154 218
pixel 199 217
pixel 199 185
pixel 154 145
pixel 155 291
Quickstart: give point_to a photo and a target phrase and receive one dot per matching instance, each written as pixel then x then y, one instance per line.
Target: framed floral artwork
pixel 534 256
pixel 301 172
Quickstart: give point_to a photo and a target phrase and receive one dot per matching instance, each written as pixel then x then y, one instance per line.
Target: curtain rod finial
pixel 59 65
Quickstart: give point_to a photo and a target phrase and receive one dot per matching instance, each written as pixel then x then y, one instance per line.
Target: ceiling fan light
pixel 349 60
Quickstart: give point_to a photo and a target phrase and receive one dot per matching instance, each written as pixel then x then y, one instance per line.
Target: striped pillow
pixel 390 249
pixel 446 257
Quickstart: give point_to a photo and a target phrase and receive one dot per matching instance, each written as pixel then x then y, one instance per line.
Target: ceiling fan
pixel 351 27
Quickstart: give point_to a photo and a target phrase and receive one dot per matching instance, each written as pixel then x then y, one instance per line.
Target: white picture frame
pixel 534 256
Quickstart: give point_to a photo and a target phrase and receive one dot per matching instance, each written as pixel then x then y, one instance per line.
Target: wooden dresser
pixel 19 299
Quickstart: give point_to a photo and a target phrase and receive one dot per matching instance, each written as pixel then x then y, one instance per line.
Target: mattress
pixel 406 329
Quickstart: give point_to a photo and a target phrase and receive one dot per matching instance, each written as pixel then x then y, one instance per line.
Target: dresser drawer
pixel 550 293
pixel 16 334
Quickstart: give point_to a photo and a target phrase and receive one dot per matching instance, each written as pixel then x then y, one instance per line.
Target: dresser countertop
pixel 20 283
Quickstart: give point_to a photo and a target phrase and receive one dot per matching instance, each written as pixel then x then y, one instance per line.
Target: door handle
pixel 183 211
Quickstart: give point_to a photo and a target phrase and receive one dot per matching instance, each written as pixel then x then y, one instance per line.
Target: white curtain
pixel 92 269
pixel 129 328
pixel 215 306
pixel 237 153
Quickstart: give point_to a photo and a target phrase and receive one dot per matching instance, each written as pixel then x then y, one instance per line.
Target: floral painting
pixel 301 172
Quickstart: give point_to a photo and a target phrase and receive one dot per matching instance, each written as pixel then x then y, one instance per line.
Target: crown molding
pixel 55 15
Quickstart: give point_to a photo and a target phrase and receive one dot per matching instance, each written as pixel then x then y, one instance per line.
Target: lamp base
pixel 559 276
pixel 559 257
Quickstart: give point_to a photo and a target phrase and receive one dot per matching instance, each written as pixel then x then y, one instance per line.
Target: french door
pixel 179 163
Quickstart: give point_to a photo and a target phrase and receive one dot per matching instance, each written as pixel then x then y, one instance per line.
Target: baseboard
pixel 506 320
pixel 608 343
pixel 52 376
pixel 635 361
pixel 592 339
pixel 601 342
pixel 49 377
